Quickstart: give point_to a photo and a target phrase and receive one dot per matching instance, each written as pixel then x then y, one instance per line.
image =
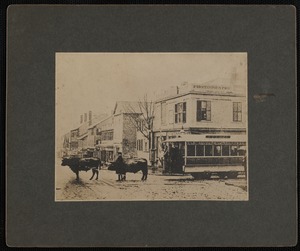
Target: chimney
pixel 90 117
pixel 85 117
pixel 81 119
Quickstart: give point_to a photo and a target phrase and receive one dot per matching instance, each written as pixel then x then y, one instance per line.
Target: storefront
pixel 108 152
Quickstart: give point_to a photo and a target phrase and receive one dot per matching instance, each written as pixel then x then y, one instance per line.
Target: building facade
pixel 118 132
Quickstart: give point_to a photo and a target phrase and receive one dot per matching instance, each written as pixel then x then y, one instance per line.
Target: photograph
pixel 151 126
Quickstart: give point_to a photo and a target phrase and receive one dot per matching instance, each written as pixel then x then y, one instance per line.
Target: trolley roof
pixel 207 138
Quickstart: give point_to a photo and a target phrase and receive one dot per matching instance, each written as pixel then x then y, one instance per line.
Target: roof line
pixel 196 93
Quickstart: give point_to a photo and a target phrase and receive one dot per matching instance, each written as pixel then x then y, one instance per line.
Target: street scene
pixel 151 126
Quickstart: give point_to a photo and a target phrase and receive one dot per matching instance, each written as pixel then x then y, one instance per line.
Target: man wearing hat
pixel 120 167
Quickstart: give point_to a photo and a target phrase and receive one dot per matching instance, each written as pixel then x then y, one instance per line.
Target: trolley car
pixel 205 155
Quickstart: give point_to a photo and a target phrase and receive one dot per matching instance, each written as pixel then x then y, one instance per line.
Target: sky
pixel 95 81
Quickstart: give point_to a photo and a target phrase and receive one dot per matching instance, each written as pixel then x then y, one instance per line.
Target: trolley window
pixel 225 150
pixel 208 150
pixel 233 150
pixel 190 150
pixel 217 150
pixel 200 150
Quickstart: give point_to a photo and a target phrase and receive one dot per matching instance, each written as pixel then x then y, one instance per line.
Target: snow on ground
pixel 157 187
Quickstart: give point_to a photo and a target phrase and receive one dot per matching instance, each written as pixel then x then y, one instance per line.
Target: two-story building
pixel 211 108
pixel 118 132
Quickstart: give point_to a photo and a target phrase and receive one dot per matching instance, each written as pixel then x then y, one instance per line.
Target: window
pixel 144 126
pixel 107 135
pixel 200 150
pixel 139 125
pixel 237 111
pixel 203 110
pixel 191 150
pixel 110 155
pixel 139 145
pixel 233 151
pixel 217 150
pixel 208 150
pixel 180 112
pixel 225 150
pixel 146 146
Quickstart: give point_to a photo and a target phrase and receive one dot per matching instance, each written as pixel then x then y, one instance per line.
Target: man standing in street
pixel 120 167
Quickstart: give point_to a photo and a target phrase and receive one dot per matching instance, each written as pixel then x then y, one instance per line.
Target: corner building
pixel 215 107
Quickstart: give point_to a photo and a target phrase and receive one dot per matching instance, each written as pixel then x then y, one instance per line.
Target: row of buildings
pixel 137 129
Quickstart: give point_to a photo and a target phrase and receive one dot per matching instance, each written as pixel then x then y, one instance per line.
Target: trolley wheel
pixel 232 175
pixel 206 176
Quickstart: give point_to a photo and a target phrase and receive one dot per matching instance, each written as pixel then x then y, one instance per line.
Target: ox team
pixel 121 166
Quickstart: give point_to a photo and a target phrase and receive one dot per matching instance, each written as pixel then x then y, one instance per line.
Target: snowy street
pixel 156 187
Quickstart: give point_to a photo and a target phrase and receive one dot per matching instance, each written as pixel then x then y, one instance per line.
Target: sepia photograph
pixel 151 126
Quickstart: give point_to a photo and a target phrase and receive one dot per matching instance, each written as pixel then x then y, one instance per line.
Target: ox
pixel 133 166
pixel 82 164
